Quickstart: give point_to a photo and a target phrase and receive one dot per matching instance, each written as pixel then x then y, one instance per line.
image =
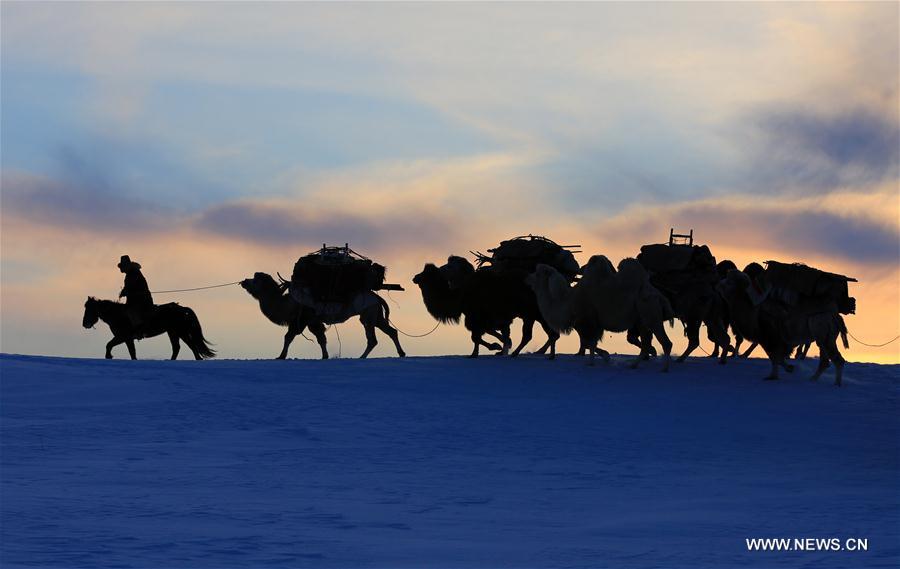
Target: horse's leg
pixel 391 332
pixel 112 344
pixel 176 345
pixel 693 334
pixel 131 351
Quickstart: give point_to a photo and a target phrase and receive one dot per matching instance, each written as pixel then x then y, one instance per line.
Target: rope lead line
pixel 858 341
pixel 195 288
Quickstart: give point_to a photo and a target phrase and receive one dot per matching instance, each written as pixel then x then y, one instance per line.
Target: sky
pixel 212 140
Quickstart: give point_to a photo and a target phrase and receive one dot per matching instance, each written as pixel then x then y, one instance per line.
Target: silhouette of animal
pixel 778 328
pixel 179 322
pixel 605 299
pixel 487 299
pixel 278 306
pixel 722 270
pixel 693 297
pixel 372 310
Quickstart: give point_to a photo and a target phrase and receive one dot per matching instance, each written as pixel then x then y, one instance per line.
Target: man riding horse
pixel 138 299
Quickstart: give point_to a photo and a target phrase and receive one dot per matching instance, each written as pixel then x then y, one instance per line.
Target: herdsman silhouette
pixel 137 295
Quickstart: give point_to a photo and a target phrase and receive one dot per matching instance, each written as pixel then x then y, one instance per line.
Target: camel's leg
pixel 633 337
pixel 715 352
pixel 693 333
pixel 292 331
pixel 131 351
pixel 750 350
pixel 838 359
pixel 552 337
pixel 718 334
pixel 645 340
pixel 491 345
pixel 477 341
pixel 527 333
pixel 176 345
pixel 507 342
pixel 318 331
pixel 738 340
pixel 823 361
pixel 591 353
pixel 112 344
pixel 775 359
pixel 391 333
pixel 371 340
pixel 659 330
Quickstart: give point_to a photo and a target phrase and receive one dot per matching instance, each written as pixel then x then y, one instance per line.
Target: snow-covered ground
pixel 442 462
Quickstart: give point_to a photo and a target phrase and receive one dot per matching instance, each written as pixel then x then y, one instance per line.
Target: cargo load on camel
pixel 527 252
pixel 675 268
pixel 792 282
pixel 336 275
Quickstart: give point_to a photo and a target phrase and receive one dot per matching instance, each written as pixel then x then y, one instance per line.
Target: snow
pixel 442 462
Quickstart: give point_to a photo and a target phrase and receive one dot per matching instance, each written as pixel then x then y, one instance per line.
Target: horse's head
pixel 91 312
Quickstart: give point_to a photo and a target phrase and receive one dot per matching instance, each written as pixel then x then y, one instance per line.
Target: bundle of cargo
pixel 336 275
pixel 525 253
pixel 674 267
pixel 792 282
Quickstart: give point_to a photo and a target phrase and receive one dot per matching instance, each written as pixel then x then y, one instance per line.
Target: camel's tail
pixel 194 333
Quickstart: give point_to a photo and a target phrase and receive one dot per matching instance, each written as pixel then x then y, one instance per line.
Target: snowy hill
pixel 443 462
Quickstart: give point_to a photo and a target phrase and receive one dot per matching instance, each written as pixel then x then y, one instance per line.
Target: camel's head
pixel 723 267
pixel 734 283
pixel 598 265
pixel 261 284
pixel 632 271
pixel 753 270
pixel 457 270
pixel 91 312
pixel 428 275
pixel 540 277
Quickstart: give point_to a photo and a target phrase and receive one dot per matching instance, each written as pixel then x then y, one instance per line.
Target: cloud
pixel 792 230
pixel 286 225
pixel 793 148
pixel 77 205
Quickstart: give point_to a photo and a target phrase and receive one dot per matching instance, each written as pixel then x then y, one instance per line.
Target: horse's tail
pixel 194 335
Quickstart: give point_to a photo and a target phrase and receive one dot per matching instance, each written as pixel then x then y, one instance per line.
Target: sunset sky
pixel 212 140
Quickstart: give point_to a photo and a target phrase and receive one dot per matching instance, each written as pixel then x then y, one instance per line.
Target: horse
pixel 179 322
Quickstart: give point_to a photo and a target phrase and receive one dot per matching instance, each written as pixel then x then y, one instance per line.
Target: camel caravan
pixel 780 307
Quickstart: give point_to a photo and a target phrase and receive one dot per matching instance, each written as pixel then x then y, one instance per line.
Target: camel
pixel 488 299
pixel 179 322
pixel 722 270
pixel 779 328
pixel 278 306
pixel 605 300
pixel 372 310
